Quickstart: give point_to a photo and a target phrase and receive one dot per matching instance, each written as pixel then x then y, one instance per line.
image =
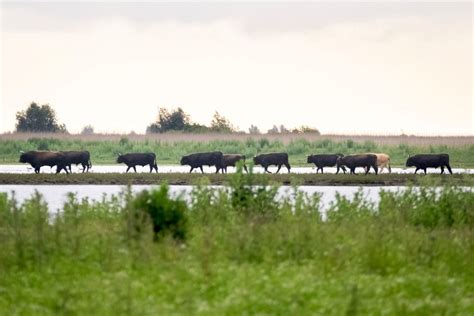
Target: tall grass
pixel 245 251
pixel 170 152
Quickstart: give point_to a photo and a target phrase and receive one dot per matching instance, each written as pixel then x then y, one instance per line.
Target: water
pixel 24 168
pixel 56 195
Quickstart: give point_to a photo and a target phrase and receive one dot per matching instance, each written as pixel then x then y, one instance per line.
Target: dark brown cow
pixel 138 159
pixel 78 157
pixel 277 159
pixel 37 159
pixel 231 159
pixel 353 161
pixel 429 161
pixel 198 160
pixel 327 160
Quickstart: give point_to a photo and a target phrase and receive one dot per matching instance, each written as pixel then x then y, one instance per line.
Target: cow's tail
pixel 389 167
pixel 155 165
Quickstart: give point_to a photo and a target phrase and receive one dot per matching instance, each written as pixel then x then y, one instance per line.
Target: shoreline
pixel 226 179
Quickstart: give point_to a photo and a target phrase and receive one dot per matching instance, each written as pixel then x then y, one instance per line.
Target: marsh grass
pixel 245 252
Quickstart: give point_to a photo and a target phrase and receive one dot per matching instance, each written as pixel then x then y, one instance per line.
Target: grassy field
pixel 240 253
pixel 170 147
pixel 225 179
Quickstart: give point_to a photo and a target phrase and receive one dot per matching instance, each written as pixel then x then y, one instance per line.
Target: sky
pixel 341 67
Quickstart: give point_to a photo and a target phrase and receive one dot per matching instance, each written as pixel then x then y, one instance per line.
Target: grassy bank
pixel 240 253
pixel 224 179
pixel 169 150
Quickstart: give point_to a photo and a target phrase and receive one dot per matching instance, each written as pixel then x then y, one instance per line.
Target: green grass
pixel 225 179
pixel 244 253
pixel 169 152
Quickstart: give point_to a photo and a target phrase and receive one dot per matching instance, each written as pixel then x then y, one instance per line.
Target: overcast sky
pixel 343 67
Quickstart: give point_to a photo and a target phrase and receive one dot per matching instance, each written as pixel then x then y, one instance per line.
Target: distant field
pixel 170 147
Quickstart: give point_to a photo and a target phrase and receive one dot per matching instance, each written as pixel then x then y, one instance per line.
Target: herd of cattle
pixel 64 160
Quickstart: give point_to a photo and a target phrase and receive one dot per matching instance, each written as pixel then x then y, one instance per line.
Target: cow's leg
pixel 278 169
pixel 135 169
pixel 37 170
pixel 449 168
pixel 322 170
pixel 245 168
pixel 202 171
pixel 367 169
pixel 442 169
pixel 376 169
pixel 128 169
pixel 266 169
pixel 192 168
pixel 381 168
pixel 424 170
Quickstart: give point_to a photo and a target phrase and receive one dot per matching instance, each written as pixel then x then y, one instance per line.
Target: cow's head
pixel 24 157
pixel 184 160
pixel 340 161
pixel 257 160
pixel 119 158
pixel 310 159
pixel 410 162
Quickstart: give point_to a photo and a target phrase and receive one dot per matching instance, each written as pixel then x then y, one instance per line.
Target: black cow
pixel 429 161
pixel 138 159
pixel 231 160
pixel 198 160
pixel 78 157
pixel 277 159
pixel 353 161
pixel 322 161
pixel 37 159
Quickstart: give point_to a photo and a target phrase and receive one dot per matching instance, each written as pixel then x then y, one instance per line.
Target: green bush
pixel 168 216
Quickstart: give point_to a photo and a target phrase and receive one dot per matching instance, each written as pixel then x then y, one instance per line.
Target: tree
pixel 176 120
pixel 221 124
pixel 254 129
pixel 87 130
pixel 273 130
pixel 38 119
pixel 306 130
pixel 283 129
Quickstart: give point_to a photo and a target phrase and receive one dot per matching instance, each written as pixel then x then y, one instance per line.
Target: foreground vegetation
pixel 224 179
pixel 170 152
pixel 240 251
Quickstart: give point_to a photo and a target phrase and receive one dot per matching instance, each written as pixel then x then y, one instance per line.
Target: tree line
pixel 43 118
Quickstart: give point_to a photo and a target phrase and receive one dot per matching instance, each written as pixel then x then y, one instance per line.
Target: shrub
pixel 168 216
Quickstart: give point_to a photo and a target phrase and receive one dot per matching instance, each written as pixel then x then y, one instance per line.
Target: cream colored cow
pixel 383 161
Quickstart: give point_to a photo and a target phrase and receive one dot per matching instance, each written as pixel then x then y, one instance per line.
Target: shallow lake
pixel 26 168
pixel 55 195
